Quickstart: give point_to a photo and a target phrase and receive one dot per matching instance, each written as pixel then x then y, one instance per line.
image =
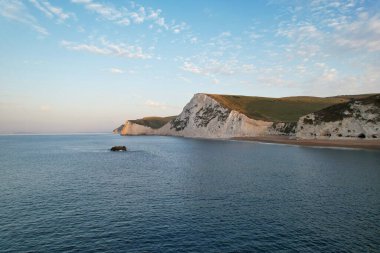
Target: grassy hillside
pixel 153 122
pixel 287 109
pixel 343 110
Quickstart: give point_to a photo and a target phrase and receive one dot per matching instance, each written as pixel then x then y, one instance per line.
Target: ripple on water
pixel 71 194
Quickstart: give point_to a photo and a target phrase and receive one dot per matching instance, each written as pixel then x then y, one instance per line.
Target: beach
pixel 360 144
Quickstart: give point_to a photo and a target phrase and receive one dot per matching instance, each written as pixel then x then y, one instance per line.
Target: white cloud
pixel 194 40
pixel 177 28
pixel 85 47
pixel 105 11
pixel 331 83
pixel 15 10
pixel 50 10
pixel 362 34
pixel 247 68
pixel 116 71
pixel 300 32
pixel 212 67
pixel 272 81
pixel 108 48
pixel 136 14
pixel 154 104
pixel 160 21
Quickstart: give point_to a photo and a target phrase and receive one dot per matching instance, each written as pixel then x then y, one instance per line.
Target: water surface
pixel 69 193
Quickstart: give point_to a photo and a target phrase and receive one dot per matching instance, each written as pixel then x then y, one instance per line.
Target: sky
pixel 89 65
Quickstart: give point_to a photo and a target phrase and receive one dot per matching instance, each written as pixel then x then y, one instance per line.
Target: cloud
pixel 154 104
pixel 105 11
pixel 85 47
pixel 116 71
pixel 108 48
pixel 216 69
pixel 135 14
pixel 51 11
pixel 212 67
pixel 15 10
pixel 333 83
pixel 274 81
pixel 362 34
pixel 177 28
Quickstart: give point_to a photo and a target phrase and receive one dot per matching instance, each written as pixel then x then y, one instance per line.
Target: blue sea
pixel 69 193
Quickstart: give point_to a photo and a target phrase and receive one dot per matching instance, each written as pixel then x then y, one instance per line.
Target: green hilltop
pixel 286 109
pixel 153 122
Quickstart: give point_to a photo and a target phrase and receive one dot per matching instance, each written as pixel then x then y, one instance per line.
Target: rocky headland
pixel 354 117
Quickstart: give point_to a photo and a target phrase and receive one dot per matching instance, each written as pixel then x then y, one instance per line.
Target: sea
pixel 69 193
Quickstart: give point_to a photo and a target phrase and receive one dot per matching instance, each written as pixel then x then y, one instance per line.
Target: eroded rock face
pixel 205 117
pixel 130 128
pixel 355 119
pixel 283 128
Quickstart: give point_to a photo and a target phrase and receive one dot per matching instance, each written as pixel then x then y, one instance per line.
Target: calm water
pixel 68 193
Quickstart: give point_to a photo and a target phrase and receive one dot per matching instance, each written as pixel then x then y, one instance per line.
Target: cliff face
pixel 356 119
pixel 202 117
pixel 130 128
pixel 205 117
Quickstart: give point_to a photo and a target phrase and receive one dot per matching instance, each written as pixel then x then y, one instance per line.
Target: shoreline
pixel 358 144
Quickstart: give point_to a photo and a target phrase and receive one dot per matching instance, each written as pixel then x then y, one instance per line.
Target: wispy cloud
pixel 157 105
pixel 51 11
pixel 107 12
pixel 211 67
pixel 134 14
pixel 15 10
pixel 362 34
pixel 108 48
pixel 216 68
pixel 116 71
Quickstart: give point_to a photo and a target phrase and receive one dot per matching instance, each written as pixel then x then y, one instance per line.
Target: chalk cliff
pixel 202 117
pixel 358 118
pixel 130 128
pixel 206 117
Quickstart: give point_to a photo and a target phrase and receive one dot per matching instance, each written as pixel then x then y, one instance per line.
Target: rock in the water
pixel 119 148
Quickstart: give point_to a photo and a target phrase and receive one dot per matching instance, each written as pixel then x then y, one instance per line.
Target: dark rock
pixel 119 148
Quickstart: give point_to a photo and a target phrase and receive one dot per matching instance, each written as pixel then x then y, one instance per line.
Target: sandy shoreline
pixel 360 144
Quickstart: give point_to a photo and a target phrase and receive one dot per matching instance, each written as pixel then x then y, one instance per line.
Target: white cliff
pixel 130 128
pixel 356 119
pixel 205 117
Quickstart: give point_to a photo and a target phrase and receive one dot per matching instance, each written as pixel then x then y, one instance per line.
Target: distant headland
pixel 347 120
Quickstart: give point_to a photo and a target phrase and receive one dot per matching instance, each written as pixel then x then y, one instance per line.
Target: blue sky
pixel 88 65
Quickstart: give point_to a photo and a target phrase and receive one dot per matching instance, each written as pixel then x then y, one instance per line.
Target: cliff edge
pixel 358 118
pixel 226 116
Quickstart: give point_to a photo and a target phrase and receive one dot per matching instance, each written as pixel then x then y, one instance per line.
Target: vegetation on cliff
pixel 153 122
pixel 345 110
pixel 287 109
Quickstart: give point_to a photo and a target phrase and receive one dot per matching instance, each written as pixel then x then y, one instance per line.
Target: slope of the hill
pixel 358 118
pixel 287 109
